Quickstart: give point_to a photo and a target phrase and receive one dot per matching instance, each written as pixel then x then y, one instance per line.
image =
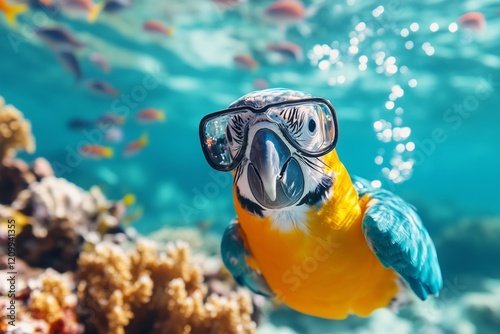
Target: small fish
pixel 245 62
pixel 133 216
pixel 285 12
pixel 113 6
pixel 109 6
pixel 204 225
pixel 260 84
pixel 79 124
pixel 129 199
pixel 12 11
pixel 101 88
pixel 20 218
pixel 69 61
pixel 473 20
pixel 98 60
pixel 149 115
pixel 114 135
pixel 287 50
pixel 157 27
pixel 85 7
pixel 58 38
pixel 111 119
pixel 96 151
pixel 135 146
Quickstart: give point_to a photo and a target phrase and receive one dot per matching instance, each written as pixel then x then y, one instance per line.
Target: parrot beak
pixel 274 176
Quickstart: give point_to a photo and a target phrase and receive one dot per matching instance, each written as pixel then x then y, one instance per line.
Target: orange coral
pixel 150 292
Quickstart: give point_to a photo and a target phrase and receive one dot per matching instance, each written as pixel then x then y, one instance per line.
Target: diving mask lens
pixel 311 126
pixel 215 142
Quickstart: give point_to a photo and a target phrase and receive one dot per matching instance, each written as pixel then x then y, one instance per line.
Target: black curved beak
pixel 274 176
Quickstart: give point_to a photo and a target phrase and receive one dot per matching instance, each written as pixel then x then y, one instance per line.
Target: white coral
pixel 55 199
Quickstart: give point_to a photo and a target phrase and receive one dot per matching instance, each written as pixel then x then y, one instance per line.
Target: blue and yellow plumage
pixel 322 242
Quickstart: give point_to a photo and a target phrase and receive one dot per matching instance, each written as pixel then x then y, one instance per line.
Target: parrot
pixel 306 232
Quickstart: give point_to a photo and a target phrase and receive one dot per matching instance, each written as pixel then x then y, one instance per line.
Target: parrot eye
pixel 311 126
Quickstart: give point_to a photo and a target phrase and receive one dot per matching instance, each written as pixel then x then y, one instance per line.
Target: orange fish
pixel 285 12
pixel 157 27
pixel 96 151
pixel 245 62
pixel 11 11
pixel 473 20
pixel 135 146
pixel 150 115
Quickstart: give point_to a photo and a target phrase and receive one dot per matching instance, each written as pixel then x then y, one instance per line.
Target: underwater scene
pixel 348 183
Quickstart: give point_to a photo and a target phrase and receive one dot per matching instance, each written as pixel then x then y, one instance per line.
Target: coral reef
pixel 142 291
pixel 45 303
pixel 53 217
pixel 51 300
pixel 15 132
pixel 208 243
pixel 15 176
pixel 61 226
pixel 150 292
pixel 62 218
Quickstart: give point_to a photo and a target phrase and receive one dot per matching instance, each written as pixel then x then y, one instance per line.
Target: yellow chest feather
pixel 328 270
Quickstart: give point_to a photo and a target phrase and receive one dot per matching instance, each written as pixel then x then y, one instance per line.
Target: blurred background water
pixel 415 85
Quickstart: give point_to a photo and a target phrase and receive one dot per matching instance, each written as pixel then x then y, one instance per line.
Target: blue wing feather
pixel 234 255
pixel 398 238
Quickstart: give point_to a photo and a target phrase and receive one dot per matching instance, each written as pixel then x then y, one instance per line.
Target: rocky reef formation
pixel 73 271
pixel 63 217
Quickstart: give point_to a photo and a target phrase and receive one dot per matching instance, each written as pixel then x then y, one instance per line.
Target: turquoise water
pixel 196 75
pixel 454 166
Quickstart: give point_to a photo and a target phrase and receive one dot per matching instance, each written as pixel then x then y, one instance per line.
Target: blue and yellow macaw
pixel 323 242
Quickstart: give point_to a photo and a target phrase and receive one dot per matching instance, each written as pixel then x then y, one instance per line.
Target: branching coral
pixel 50 306
pixel 15 132
pixel 51 300
pixel 150 292
pixel 62 217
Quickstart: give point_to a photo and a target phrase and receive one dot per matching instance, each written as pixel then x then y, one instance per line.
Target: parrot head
pixel 274 141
